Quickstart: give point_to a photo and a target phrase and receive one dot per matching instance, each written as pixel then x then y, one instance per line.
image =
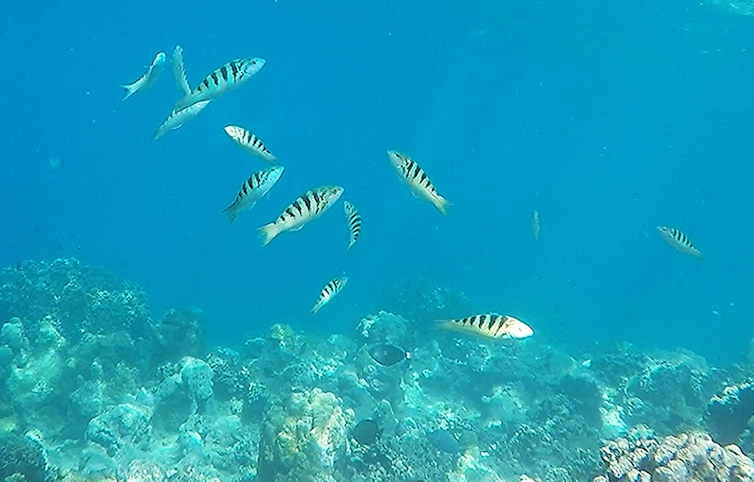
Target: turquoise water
pixel 607 119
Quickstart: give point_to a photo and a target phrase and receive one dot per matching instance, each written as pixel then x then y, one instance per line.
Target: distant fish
pixel 149 78
pixel 249 142
pixel 253 190
pixel 416 180
pixel 366 432
pixel 303 210
pixel 443 440
pixel 329 292
pixel 179 72
pixel 489 326
pixel 178 117
pixel 387 355
pixel 226 78
pixel 535 227
pixel 678 240
pixel 354 222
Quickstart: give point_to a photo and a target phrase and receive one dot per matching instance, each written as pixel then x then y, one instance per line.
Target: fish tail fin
pixel 442 204
pixel 445 325
pixel 231 213
pixel 315 308
pixel 130 90
pixel 267 233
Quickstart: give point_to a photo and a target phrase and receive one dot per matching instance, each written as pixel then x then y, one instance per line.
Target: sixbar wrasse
pixel 226 78
pixel 330 290
pixel 149 78
pixel 416 179
pixel 354 222
pixel 249 142
pixel 678 240
pixel 179 72
pixel 489 326
pixel 306 208
pixel 253 190
pixel 178 117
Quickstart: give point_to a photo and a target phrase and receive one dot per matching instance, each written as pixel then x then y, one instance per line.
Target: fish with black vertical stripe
pixel 249 142
pixel 677 239
pixel 354 223
pixel 253 190
pixel 330 290
pixel 489 326
pixel 300 212
pixel 226 78
pixel 417 180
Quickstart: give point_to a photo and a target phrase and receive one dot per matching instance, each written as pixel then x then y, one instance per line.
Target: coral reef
pixel 686 457
pixel 22 459
pixel 107 393
pixel 729 414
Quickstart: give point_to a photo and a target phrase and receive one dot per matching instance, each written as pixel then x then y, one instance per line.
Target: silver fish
pixel 253 190
pixel 489 326
pixel 329 292
pixel 354 222
pixel 149 78
pixel 178 117
pixel 249 142
pixel 224 79
pixel 306 208
pixel 179 72
pixel 416 180
pixel 535 225
pixel 678 240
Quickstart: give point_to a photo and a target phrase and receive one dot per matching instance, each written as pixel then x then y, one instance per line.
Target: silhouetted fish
pixel 444 441
pixel 387 354
pixel 366 432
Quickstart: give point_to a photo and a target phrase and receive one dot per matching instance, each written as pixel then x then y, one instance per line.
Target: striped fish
pixel 226 78
pixel 329 292
pixel 416 179
pixel 678 240
pixel 253 190
pixel 250 142
pixel 149 78
pixel 354 222
pixel 489 326
pixel 178 117
pixel 179 72
pixel 306 208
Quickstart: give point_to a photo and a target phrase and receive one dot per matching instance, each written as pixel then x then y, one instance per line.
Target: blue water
pixel 607 119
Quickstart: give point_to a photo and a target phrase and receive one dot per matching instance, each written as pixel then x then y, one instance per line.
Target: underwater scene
pixel 396 241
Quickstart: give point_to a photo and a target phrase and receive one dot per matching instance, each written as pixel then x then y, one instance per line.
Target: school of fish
pixel 317 201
